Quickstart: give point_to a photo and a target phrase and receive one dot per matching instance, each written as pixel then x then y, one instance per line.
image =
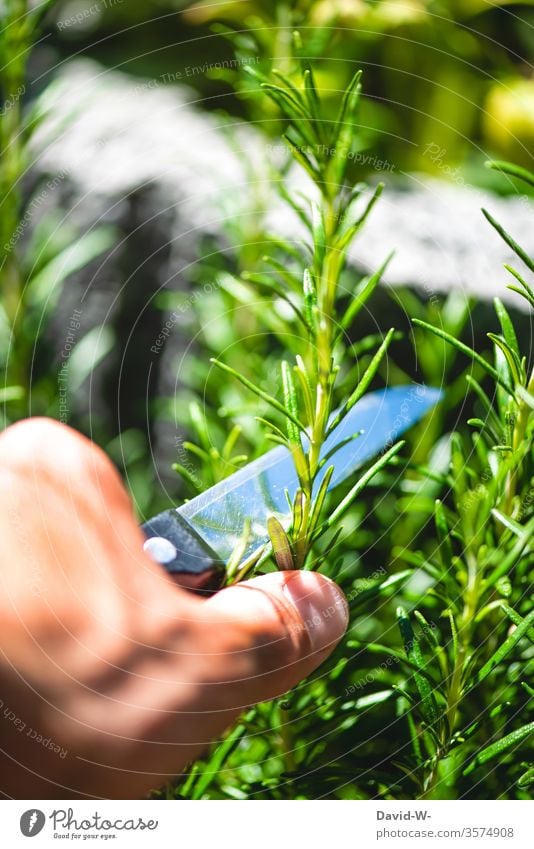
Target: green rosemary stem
pixel 321 148
pixel 465 633
pixel 286 739
pixel 327 290
pixel 440 771
pixel 433 789
pixel 327 286
pixel 331 263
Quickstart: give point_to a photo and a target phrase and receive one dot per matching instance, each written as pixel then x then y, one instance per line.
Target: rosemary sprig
pixel 485 538
pixel 321 148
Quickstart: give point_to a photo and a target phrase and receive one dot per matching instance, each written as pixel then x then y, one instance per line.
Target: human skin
pixel 102 655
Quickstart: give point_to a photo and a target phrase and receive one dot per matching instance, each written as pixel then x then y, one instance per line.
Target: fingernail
pixel 322 607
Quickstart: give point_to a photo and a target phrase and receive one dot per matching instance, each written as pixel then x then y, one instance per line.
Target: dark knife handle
pixel 172 542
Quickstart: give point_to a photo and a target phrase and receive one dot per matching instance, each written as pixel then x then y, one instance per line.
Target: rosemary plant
pixel 457 697
pixel 464 710
pixel 322 375
pixel 314 293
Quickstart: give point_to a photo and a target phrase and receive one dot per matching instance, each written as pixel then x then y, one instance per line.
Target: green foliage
pixel 481 574
pixel 38 252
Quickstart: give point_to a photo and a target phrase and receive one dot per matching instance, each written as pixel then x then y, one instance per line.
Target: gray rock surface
pixel 442 240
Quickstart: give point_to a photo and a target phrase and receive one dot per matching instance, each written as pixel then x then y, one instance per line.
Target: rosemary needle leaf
pixel 291 403
pixel 363 292
pixel 465 349
pixel 507 327
pixel 415 655
pixel 359 485
pixel 503 650
pixel 513 170
pixel 512 739
pixel 280 543
pixel 259 392
pixel 363 384
pixel 517 249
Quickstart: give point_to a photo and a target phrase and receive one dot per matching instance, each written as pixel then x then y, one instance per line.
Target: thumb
pixel 284 625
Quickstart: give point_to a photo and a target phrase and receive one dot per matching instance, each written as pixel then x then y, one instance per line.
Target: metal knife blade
pixel 217 517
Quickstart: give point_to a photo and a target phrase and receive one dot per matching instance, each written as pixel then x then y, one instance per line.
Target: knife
pixel 194 541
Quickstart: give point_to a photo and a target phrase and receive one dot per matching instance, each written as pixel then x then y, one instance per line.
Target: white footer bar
pixel 269 825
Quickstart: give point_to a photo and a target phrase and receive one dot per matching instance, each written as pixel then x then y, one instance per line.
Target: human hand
pixel 112 678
